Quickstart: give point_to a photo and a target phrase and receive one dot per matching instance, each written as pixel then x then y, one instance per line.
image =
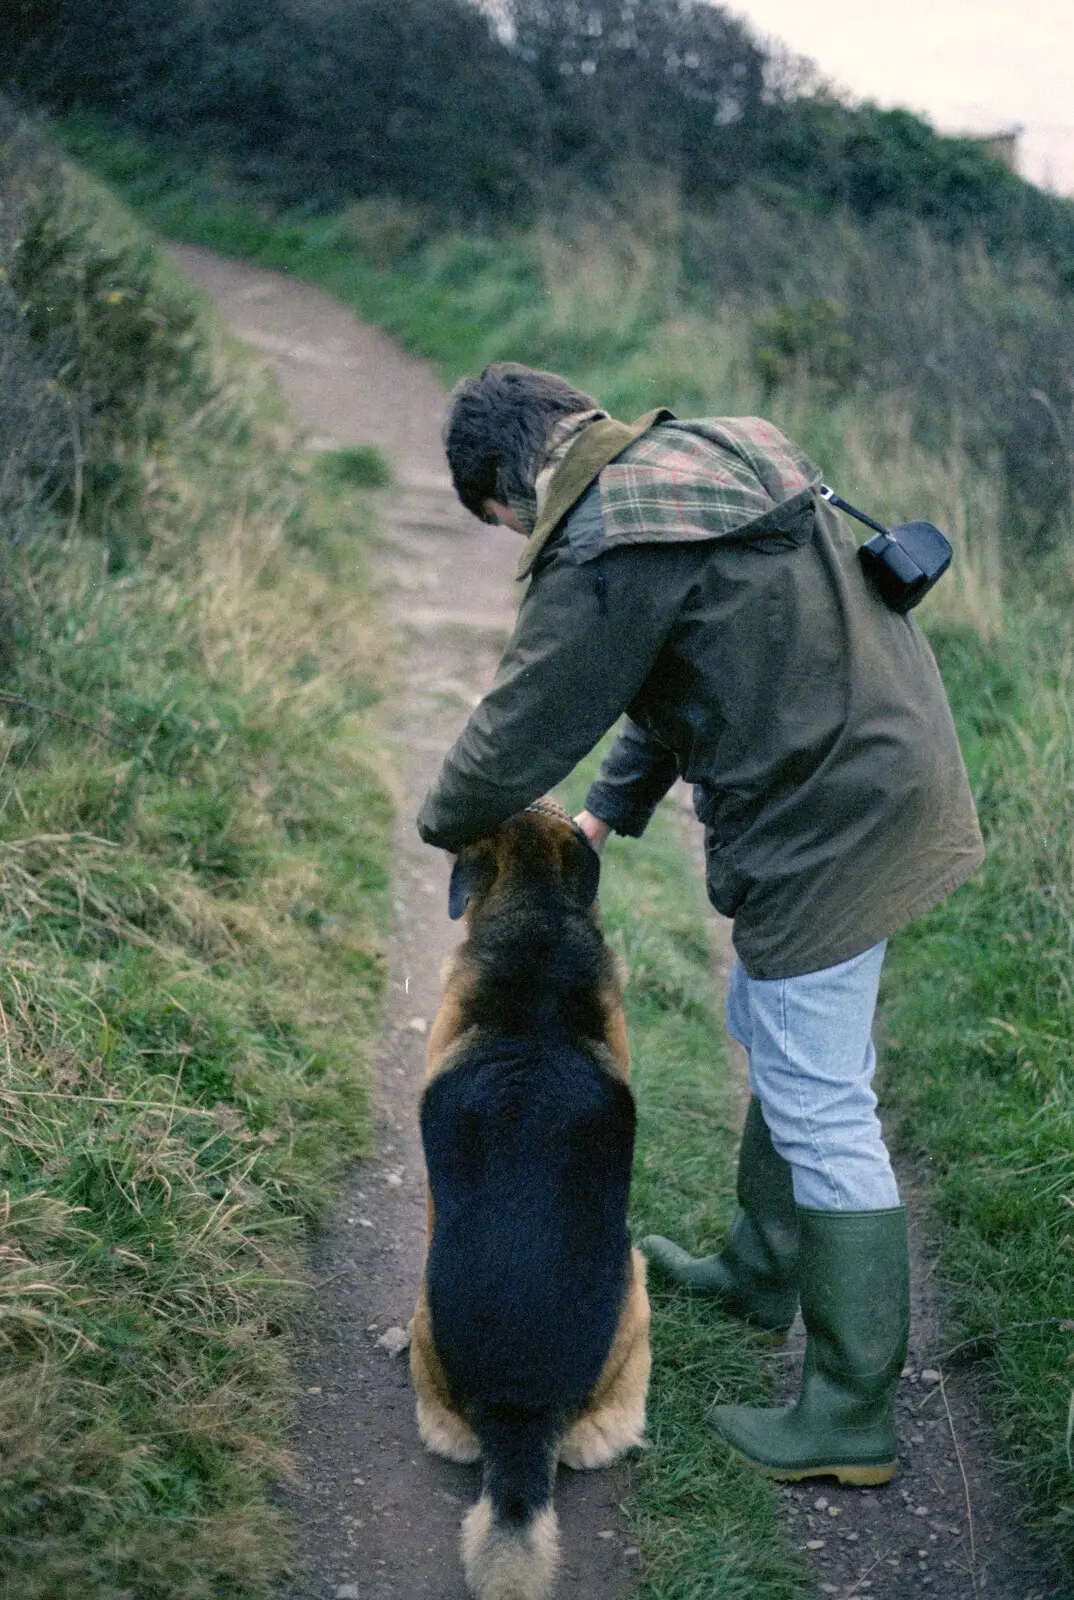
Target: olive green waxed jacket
pixel 689 575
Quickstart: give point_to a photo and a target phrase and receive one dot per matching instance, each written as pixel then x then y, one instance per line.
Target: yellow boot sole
pixel 852 1477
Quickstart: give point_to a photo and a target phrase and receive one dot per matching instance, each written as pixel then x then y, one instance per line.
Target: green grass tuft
pixel 359 466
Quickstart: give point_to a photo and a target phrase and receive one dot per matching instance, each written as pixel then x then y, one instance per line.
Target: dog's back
pixel 529 1147
pixel 528 1129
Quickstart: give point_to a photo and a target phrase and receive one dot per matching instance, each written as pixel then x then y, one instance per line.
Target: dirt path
pixel 377 1518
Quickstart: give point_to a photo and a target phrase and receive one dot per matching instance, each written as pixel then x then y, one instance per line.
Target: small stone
pixel 814 1544
pixel 829 1588
pixel 394 1340
pixel 820 1504
pixel 920 1511
pixel 347 1591
pixel 606 1533
pixel 632 1552
pixel 418 1025
pixel 930 1375
pixel 394 1180
pixel 314 1388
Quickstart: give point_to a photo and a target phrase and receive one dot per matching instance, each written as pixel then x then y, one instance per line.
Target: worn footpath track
pixel 376 1517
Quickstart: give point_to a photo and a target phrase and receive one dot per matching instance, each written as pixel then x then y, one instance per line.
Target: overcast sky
pixel 966 65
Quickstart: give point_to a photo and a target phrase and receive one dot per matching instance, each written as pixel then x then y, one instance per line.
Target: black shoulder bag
pixel 902 562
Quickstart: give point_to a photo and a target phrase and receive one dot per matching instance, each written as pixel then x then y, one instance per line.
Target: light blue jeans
pixel 812 1061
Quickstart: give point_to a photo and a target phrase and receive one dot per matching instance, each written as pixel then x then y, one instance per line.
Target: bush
pixel 94 358
pixel 427 101
pixel 808 343
pixel 36 441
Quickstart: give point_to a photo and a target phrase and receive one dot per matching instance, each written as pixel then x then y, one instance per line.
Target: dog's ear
pixel 471 876
pixel 581 868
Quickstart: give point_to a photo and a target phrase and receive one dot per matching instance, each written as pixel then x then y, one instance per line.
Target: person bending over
pixel 688 576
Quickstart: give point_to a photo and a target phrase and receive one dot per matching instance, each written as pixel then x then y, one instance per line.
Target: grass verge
pixel 978 1009
pixel 193 883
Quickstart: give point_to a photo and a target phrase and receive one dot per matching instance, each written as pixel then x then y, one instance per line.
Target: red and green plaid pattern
pixel 696 479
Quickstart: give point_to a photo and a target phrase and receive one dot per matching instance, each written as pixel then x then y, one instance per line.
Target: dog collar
pixel 550 808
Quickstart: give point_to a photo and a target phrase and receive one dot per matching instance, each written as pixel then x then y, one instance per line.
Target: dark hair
pixel 497 427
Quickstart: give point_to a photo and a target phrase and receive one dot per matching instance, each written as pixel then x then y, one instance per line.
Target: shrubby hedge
pixel 868 252
pixel 93 358
pixel 478 107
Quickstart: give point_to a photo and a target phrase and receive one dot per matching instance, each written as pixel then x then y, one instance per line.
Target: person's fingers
pixel 594 829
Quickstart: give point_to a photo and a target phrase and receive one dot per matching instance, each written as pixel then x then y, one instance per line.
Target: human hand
pixel 594 829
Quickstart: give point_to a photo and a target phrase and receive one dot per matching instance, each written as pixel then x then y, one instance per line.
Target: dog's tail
pixel 510 1538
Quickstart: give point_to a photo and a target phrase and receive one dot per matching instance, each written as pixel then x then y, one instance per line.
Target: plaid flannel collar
pixel 688 480
pixel 588 454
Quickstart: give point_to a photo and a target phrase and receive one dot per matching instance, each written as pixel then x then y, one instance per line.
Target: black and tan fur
pixel 531 1333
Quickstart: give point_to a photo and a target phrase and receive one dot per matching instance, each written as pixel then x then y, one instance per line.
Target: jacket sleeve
pixel 586 638
pixel 634 777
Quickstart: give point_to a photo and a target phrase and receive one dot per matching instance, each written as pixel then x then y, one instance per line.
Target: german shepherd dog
pixel 531 1334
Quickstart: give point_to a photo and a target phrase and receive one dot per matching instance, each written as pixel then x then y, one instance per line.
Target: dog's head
pixel 540 845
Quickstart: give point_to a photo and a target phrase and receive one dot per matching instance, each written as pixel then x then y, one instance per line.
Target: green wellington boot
pixel 755 1276
pixel 855 1280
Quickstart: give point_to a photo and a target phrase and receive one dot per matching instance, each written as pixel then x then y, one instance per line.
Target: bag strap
pixel 836 500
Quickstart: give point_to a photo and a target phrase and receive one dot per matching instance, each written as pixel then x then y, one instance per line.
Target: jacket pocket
pixel 725 880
